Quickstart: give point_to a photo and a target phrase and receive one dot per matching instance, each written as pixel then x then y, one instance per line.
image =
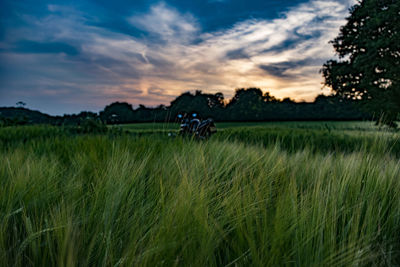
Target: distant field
pixel 350 127
pixel 255 194
pixel 337 125
pixel 318 136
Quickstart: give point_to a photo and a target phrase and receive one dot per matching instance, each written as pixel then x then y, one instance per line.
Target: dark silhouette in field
pixel 369 50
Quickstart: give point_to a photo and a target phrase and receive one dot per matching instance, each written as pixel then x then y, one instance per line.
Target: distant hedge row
pixel 247 105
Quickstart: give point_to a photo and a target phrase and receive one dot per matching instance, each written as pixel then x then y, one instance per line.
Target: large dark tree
pixel 207 105
pixel 117 112
pixel 246 104
pixel 369 50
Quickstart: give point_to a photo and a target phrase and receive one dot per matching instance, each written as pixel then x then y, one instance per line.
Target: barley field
pixel 254 194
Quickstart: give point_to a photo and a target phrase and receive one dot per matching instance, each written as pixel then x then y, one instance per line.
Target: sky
pixel 68 56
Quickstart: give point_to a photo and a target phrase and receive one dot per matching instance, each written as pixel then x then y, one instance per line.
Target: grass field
pixel 336 125
pixel 255 194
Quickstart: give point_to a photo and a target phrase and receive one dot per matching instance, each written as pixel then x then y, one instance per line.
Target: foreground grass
pixel 128 200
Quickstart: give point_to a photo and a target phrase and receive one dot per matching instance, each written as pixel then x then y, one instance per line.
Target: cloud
pixel 69 53
pixel 167 23
pixel 278 55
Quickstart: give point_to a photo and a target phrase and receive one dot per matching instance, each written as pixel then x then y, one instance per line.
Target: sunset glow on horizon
pixel 64 58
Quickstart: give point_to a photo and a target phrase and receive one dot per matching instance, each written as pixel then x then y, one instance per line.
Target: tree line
pixel 248 104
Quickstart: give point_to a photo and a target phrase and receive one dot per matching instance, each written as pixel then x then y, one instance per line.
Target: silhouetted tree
pixel 267 97
pixel 117 112
pixel 20 104
pixel 246 104
pixel 207 105
pixel 369 50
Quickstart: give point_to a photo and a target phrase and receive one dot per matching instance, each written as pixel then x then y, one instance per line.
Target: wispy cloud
pixel 173 55
pixel 167 23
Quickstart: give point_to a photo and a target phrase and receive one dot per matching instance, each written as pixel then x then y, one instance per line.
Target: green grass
pixel 324 137
pixel 268 195
pixel 336 125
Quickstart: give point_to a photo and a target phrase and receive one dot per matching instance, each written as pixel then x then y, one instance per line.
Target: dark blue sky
pixel 67 56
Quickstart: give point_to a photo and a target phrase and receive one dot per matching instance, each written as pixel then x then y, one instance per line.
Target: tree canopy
pixel 368 68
